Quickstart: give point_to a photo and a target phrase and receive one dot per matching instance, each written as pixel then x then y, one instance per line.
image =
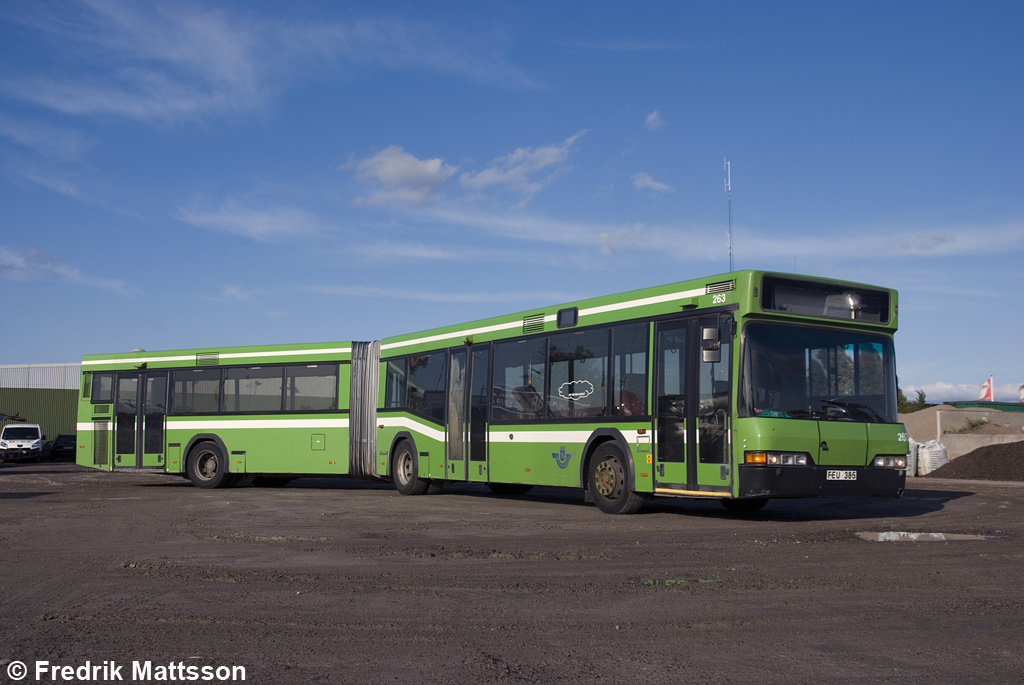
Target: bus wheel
pixel 608 483
pixel 405 469
pixel 744 506
pixel 207 467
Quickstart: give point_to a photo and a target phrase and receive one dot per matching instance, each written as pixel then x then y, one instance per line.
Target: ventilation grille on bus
pixel 533 324
pixel 208 359
pixel 724 286
pixel 100 443
pixel 98 409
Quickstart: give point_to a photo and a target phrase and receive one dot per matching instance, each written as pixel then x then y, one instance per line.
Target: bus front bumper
pixel 820 481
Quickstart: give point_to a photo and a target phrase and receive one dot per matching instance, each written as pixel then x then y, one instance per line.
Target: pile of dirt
pixel 992 462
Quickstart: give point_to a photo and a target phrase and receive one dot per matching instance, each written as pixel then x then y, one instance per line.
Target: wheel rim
pixel 206 465
pixel 403 467
pixel 609 478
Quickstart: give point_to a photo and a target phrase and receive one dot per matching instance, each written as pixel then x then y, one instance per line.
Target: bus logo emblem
pixel 561 458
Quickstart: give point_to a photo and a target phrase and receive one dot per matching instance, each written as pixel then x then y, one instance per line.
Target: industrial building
pixel 46 394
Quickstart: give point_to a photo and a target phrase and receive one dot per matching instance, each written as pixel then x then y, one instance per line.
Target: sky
pixel 178 175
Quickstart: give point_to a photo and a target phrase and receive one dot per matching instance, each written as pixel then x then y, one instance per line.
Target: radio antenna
pixel 727 167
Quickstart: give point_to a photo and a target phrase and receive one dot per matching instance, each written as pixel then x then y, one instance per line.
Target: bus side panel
pixel 313 449
pixel 518 457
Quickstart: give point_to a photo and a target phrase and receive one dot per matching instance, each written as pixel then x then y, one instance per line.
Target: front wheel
pixel 208 468
pixel 608 482
pixel 405 471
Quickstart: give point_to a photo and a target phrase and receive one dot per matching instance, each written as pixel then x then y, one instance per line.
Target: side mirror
pixel 711 345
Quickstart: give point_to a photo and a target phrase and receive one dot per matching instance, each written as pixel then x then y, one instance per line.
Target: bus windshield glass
pixel 791 372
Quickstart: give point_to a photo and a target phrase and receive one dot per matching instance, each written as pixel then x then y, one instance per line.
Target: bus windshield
pixel 793 372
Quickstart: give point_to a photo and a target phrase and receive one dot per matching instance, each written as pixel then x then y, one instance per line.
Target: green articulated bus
pixel 740 387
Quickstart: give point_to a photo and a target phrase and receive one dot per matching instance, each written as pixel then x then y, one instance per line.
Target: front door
pixel 141 402
pixel 693 405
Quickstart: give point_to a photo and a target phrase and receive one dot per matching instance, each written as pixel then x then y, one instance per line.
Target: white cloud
pixel 233 293
pixel 46 140
pixel 264 225
pixel 940 391
pixel 177 62
pixel 467 297
pixel 613 241
pixel 35 265
pixel 406 178
pixel 395 43
pixel 519 170
pixel 893 241
pixel 157 63
pixel 643 181
pixel 654 121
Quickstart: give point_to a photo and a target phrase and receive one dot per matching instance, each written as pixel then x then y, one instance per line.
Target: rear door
pixel 479 400
pixel 458 379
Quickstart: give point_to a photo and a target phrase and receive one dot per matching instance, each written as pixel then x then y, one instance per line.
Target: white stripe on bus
pixel 227 424
pixel 601 309
pixel 415 426
pixel 560 437
pixel 226 355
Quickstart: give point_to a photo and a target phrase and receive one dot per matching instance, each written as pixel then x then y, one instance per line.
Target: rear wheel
pixel 608 482
pixel 207 467
pixel 405 471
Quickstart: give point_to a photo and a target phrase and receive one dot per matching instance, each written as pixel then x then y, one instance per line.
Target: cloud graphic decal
pixel 576 390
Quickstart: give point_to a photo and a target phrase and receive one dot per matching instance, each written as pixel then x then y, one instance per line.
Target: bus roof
pixel 215 356
pixel 734 289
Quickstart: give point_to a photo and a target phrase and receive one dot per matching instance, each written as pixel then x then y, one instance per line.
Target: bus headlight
pixel 777 458
pixel 889 462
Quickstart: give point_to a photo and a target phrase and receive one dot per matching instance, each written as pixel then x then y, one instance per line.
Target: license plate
pixel 840 475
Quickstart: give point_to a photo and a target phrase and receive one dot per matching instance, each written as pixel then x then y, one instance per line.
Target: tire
pixel 208 468
pixel 608 482
pixel 744 506
pixel 405 470
pixel 509 489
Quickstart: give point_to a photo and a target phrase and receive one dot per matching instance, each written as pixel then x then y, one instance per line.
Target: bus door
pixel 479 401
pixel 455 456
pixel 693 404
pixel 141 401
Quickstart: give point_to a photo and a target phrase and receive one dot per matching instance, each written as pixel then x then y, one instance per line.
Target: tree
pixel 906 407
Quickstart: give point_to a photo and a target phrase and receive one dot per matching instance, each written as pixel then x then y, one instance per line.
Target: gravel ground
pixel 344 582
pixel 334 581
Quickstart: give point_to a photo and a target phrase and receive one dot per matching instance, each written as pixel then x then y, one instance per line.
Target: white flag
pixel 986 390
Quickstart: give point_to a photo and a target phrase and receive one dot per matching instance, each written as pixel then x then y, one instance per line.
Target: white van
pixel 21 442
